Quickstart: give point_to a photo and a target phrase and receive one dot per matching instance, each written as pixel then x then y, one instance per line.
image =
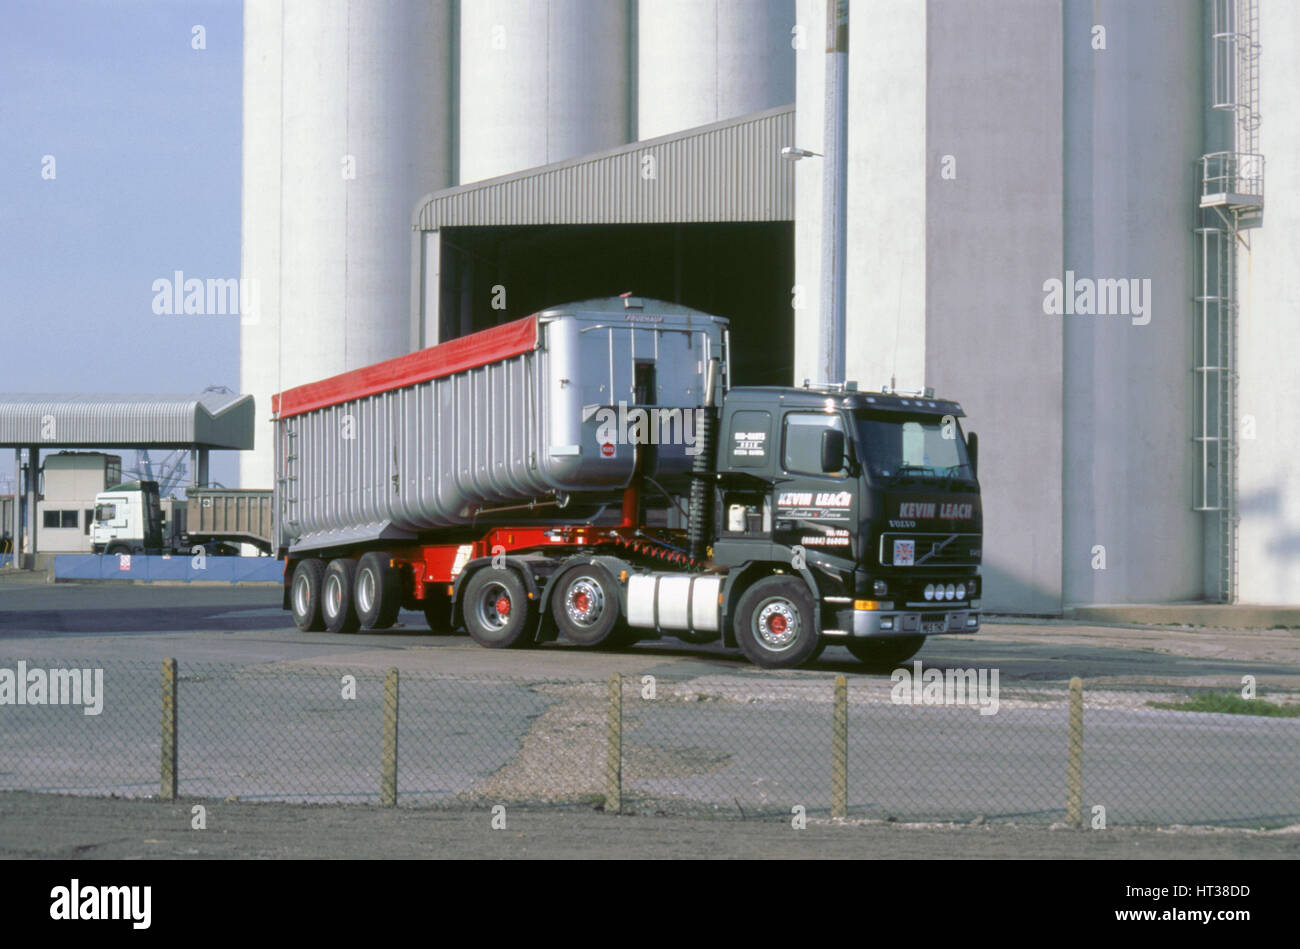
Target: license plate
pixel 930 629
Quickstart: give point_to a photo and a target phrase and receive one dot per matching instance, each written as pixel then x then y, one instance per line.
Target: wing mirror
pixel 832 451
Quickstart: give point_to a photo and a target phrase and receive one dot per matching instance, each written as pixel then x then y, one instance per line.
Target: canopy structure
pixel 198 422
pixel 93 420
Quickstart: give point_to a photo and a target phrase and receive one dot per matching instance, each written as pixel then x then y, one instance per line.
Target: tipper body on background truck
pixel 132 518
pixel 589 473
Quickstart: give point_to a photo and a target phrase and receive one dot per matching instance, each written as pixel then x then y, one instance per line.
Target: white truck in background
pixel 131 518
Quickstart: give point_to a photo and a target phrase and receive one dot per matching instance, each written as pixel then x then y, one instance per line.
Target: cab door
pixel 813 509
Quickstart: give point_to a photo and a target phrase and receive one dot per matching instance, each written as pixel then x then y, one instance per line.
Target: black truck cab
pixel 872 497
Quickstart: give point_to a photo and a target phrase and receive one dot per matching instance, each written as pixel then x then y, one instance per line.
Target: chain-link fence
pixel 925 746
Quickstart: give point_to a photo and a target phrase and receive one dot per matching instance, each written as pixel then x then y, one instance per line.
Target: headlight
pixel 929 591
pixel 961 591
pixel 880 587
pixel 949 591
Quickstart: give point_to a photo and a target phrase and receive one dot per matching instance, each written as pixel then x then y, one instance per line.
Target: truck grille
pixel 931 549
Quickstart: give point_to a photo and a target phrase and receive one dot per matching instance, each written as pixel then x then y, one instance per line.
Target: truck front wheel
pixel 885 653
pixel 378 591
pixel 304 595
pixel 775 623
pixel 338 601
pixel 497 610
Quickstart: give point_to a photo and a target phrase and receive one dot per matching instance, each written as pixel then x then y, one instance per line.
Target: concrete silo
pixel 1134 129
pixel 540 81
pixel 347 125
pixel 701 61
pixel 1268 333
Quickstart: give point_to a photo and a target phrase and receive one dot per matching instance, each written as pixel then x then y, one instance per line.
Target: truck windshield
pixel 900 448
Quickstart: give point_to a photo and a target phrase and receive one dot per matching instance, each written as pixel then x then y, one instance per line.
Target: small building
pixel 66 509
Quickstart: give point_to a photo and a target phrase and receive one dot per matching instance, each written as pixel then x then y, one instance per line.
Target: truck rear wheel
pixel 585 605
pixel 378 591
pixel 885 652
pixel 304 595
pixel 337 601
pixel 776 623
pixel 497 610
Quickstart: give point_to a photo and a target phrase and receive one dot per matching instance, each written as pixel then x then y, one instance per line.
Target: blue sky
pixel 145 135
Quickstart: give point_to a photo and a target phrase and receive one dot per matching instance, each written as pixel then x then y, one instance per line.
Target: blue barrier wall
pixel 183 568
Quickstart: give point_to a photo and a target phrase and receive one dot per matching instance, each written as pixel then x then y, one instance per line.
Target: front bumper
pixel 877 624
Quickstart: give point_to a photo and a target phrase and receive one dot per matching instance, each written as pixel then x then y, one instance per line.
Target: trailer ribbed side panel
pixel 526 429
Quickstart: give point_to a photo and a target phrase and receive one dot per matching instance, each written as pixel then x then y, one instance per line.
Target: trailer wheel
pixel 498 613
pixel 885 653
pixel 585 606
pixel 337 602
pixel 304 595
pixel 776 623
pixel 378 591
pixel 437 611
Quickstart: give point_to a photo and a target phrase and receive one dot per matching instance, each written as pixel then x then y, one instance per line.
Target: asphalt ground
pixel 737 742
pixel 49 827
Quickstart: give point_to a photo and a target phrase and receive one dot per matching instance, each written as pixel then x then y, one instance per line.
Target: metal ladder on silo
pixel 1230 202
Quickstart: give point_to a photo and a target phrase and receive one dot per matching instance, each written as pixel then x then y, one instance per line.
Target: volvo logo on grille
pixel 937 548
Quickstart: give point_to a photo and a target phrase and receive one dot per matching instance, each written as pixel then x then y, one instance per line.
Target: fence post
pixel 388 761
pixel 840 750
pixel 614 747
pixel 167 790
pixel 1074 769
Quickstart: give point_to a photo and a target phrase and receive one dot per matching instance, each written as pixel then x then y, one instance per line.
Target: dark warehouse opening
pixel 741 270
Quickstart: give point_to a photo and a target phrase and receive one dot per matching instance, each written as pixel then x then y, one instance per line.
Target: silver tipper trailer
pixel 532 418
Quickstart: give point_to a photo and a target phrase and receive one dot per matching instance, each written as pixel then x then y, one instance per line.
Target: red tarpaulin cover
pixel 457 355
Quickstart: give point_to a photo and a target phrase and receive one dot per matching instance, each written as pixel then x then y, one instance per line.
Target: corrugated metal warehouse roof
pixel 95 420
pixel 726 171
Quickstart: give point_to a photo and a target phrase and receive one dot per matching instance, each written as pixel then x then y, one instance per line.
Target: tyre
pixel 304 595
pixel 885 652
pixel 585 606
pixel 437 611
pixel 337 600
pixel 498 613
pixel 115 550
pixel 776 623
pixel 378 591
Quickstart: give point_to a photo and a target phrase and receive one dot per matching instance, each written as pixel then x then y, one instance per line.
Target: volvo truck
pixel 589 474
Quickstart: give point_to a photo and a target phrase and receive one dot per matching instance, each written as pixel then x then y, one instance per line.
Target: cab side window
pixel 802 442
